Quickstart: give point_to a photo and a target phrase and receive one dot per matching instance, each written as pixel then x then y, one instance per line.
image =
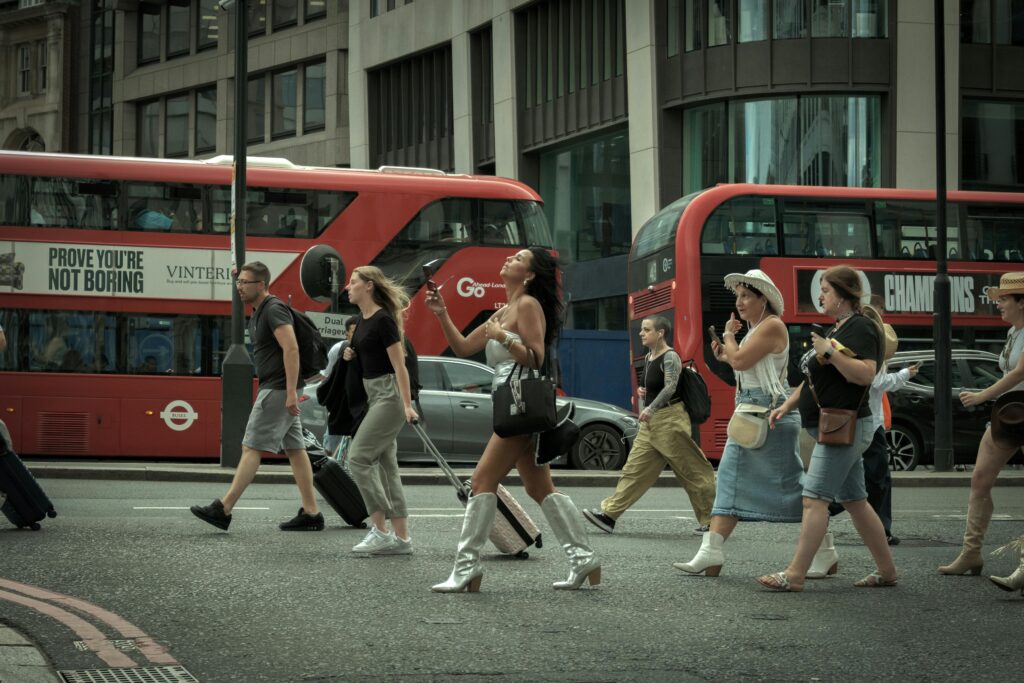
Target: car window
pixel 468 379
pixel 431 377
pixel 986 373
pixel 926 375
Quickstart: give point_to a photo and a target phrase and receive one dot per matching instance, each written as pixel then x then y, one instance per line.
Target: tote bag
pixel 524 404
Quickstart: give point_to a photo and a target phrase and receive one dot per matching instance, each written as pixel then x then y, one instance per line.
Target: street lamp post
pixel 943 459
pixel 236 371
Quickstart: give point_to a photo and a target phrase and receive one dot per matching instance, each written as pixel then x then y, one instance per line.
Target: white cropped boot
pixel 1014 581
pixel 826 560
pixel 709 559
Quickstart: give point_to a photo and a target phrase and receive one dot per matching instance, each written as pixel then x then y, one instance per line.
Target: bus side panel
pixel 174 428
pixel 69 426
pixel 10 413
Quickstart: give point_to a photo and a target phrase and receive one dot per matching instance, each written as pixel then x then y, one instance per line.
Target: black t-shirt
pixel 371 340
pixel 860 335
pixel 267 354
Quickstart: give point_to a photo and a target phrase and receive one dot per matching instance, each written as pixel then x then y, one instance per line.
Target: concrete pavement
pixel 281 474
pixel 21 660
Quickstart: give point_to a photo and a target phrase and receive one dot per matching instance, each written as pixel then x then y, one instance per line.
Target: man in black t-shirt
pixel 274 420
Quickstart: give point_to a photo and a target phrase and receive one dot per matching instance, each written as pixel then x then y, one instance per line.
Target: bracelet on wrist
pixel 508 341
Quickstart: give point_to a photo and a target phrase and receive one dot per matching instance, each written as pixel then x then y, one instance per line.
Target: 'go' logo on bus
pixel 467 287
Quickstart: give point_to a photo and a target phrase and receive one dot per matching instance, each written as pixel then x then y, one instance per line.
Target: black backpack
pixel 693 392
pixel 312 347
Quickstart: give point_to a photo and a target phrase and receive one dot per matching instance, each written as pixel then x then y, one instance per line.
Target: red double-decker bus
pixel 679 259
pixel 115 282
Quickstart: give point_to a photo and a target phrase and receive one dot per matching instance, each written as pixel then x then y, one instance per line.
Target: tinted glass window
pixel 256 111
pixel 985 374
pixel 176 126
pixel 274 212
pixel 178 20
pixel 163 207
pixel 536 225
pixel 286 12
pixel 790 19
pixel 63 341
pixel 469 379
pixel 283 101
pixel 993 144
pixel 907 230
pixel 431 376
pixel 994 233
pixel 315 8
pixel 313 107
pixel 207 27
pixel 825 229
pixel 926 375
pixel 745 225
pixel 206 119
pixel 660 231
pixel 149 32
pixel 73 203
pixel 148 133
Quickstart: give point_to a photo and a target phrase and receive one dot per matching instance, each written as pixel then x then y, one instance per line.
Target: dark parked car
pixel 912 437
pixel 456 411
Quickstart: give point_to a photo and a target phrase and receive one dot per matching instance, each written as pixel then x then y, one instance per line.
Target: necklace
pixel 843 316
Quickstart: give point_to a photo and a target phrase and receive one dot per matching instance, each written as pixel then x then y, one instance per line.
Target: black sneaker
pixel 701 530
pixel 212 514
pixel 303 522
pixel 600 520
pixel 892 540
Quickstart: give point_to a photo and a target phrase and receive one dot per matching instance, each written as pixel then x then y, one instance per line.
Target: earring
pixel 526 283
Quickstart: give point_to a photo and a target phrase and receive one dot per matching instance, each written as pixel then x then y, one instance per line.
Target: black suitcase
pixel 513 530
pixel 340 492
pixel 25 503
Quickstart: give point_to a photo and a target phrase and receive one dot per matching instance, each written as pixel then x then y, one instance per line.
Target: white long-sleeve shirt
pixel 884 382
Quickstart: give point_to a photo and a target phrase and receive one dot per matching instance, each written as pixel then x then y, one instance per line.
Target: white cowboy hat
pixel 1009 283
pixel 758 280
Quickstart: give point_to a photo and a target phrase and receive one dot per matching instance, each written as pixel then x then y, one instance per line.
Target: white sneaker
pixel 374 542
pixel 398 547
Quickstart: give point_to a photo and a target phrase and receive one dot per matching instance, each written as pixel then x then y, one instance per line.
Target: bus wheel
pixel 599 447
pixel 904 448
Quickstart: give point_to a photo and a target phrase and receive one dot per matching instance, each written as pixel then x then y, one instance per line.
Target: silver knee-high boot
pixel 476 525
pixel 567 524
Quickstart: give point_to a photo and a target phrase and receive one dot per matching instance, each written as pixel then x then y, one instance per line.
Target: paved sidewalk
pixel 281 474
pixel 22 661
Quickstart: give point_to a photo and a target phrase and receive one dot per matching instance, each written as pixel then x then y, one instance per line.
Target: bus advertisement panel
pixel 115 280
pixel 680 257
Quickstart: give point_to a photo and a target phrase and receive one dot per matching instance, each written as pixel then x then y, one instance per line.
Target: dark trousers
pixel 877 481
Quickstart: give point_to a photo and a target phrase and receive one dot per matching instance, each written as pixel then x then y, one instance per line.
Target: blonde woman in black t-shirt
pixel 841 367
pixel 373 453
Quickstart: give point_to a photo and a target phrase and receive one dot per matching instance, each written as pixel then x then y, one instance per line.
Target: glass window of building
pixel 149 32
pixel 692 25
pixel 706 139
pixel 315 9
pixel 257 16
pixel 207 27
pixel 315 100
pixel 206 119
pixel 148 133
pixel 789 19
pixel 41 64
pixel 1009 21
pixel 993 145
pixel 286 13
pixel 176 126
pixel 256 111
pixel 24 70
pixel 608 313
pixel 752 22
pixel 178 21
pixel 672 25
pixel 585 185
pixel 718 22
pixel 830 18
pixel 282 104
pixel 976 21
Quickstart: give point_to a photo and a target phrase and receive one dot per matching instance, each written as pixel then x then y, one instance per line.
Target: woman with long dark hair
pixel 839 373
pixel 519 333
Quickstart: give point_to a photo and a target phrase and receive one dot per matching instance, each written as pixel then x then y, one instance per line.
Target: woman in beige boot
pixel 993 453
pixel 519 333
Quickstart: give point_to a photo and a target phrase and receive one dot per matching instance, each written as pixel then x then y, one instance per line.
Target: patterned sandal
pixel 780 582
pixel 875 580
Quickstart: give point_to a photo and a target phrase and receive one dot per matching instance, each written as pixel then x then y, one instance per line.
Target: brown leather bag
pixel 836 426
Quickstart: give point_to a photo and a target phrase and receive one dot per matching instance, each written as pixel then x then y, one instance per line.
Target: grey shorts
pixel 271 427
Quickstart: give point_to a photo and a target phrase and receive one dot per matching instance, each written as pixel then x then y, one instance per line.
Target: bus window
pixel 498 223
pixel 163 207
pixel 907 230
pixel 278 212
pixel 70 341
pixel 825 229
pixel 447 220
pixel 14 195
pixel 993 234
pixel 74 203
pixel 744 225
pixel 660 231
pixel 535 224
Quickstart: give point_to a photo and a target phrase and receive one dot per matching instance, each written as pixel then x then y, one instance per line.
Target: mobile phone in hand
pixel 428 274
pixel 818 329
pixel 714 335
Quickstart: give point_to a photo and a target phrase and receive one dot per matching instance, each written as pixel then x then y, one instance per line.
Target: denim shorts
pixel 836 473
pixel 271 427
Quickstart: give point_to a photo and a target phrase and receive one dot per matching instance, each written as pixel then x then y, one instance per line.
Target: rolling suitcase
pixel 513 531
pixel 25 503
pixel 339 490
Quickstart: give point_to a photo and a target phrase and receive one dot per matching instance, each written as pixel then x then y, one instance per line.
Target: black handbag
pixel 558 441
pixel 524 404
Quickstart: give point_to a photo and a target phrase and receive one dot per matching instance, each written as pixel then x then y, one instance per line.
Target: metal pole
pixel 943 458
pixel 237 371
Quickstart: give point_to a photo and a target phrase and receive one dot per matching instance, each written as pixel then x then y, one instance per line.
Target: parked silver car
pixel 456 411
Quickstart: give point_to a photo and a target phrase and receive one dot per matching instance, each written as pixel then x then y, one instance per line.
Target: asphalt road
pixel 257 604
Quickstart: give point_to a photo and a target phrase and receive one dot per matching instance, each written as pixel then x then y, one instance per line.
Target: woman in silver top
pixel 527 323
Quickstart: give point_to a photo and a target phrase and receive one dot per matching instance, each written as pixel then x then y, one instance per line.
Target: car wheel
pixel 599 447
pixel 904 448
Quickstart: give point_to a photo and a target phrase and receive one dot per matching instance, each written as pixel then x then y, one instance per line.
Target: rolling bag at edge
pixel 26 503
pixel 340 492
pixel 513 531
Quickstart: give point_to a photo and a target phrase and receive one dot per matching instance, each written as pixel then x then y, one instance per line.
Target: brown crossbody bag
pixel 836 426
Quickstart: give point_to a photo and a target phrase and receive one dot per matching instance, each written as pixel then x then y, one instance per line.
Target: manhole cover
pixel 149 674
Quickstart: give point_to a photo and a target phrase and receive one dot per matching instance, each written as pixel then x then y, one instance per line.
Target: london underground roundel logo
pixel 179 415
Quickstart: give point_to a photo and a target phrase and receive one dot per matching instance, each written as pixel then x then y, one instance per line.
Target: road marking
pixel 152 650
pixel 157 507
pixel 1002 518
pixel 89 634
pixel 446 516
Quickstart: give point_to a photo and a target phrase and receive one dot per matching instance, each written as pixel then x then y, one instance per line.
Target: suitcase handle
pixel 432 449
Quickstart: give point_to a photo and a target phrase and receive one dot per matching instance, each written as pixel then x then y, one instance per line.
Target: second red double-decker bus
pixel 793 233
pixel 115 280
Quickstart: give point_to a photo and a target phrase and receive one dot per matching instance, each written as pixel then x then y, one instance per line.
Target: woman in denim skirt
pixel 840 369
pixel 761 484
